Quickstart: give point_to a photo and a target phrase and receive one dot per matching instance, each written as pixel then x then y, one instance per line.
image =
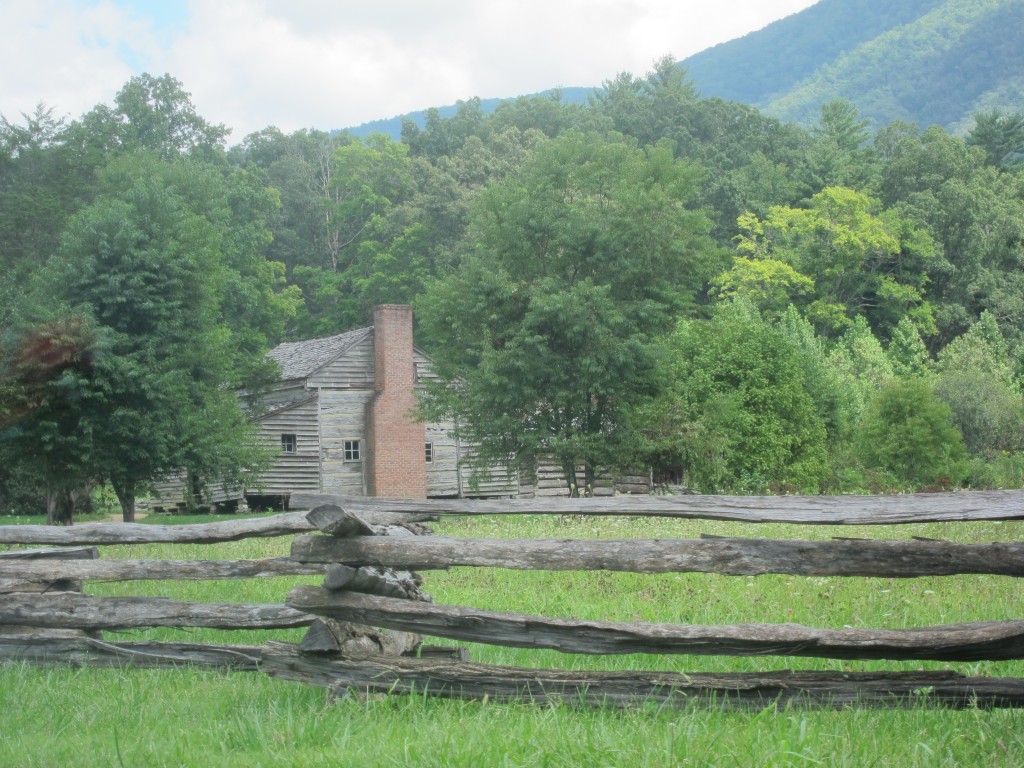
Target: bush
pixel 907 431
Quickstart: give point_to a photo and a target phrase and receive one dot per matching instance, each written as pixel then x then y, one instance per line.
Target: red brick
pixel 396 467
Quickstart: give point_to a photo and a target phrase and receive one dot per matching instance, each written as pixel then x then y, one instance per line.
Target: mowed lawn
pixel 102 717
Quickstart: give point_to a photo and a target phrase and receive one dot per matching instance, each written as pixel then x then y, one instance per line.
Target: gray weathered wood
pixel 68 610
pixel 956 642
pixel 386 512
pixel 52 553
pixel 141 533
pixel 731 556
pixel 13 565
pixel 134 570
pixel 544 687
pixel 811 510
pixel 52 649
pixel 342 637
pixel 375 581
pixel 41 585
pixel 458 679
pixel 335 521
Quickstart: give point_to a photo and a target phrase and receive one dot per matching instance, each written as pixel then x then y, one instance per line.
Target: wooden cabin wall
pixel 443 471
pixel 285 394
pixel 353 370
pixel 343 417
pixel 299 471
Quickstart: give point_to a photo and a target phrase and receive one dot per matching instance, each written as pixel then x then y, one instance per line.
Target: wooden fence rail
pixel 800 510
pixel 733 557
pixel 367 552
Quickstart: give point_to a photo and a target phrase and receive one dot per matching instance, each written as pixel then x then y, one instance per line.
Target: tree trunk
pixel 590 478
pixel 60 507
pixel 126 497
pixel 569 470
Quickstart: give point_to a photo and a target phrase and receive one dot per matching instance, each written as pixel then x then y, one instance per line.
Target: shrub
pixel 907 431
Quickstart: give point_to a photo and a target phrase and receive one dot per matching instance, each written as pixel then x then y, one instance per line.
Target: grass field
pixel 55 717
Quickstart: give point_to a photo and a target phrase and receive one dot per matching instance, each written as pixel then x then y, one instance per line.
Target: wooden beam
pixel 335 521
pixel 46 649
pixel 375 581
pixel 134 570
pixel 53 553
pixel 545 687
pixel 542 687
pixel 68 610
pixel 141 533
pixel 807 510
pixel 956 642
pixel 13 564
pixel 730 556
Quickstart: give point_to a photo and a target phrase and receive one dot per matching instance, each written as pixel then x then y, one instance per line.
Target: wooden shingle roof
pixel 301 359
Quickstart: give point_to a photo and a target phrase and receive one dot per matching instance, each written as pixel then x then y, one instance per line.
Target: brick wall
pixel 395 463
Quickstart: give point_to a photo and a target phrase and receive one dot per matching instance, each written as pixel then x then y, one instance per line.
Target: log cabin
pixel 342 419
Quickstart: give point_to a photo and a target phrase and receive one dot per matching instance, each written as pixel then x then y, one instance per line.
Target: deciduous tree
pixel 544 335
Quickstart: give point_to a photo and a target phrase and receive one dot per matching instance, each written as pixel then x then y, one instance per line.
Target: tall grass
pixel 94 717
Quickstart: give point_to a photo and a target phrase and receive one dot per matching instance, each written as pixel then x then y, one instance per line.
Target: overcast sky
pixel 330 64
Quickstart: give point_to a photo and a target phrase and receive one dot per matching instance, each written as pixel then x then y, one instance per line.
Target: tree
pixel 1001 136
pixel 156 114
pixel 544 335
pixel 838 155
pixel 976 380
pixel 746 415
pixel 907 351
pixel 146 263
pixel 908 432
pixel 45 446
pixel 862 259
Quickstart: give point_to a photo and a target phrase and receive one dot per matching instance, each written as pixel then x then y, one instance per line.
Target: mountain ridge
pixel 919 61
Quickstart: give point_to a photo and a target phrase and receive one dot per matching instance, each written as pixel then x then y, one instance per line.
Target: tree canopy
pixel 648 279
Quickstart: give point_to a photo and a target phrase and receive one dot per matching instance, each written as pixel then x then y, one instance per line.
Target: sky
pixel 330 64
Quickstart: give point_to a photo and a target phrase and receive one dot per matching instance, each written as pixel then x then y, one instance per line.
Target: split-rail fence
pixel 370 553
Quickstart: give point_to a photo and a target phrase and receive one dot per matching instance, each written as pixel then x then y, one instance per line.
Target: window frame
pixel 352 450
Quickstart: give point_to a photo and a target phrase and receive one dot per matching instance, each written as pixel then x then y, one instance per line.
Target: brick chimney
pixel 396 465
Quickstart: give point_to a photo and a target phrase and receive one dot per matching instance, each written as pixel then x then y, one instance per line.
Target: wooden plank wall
pixel 550 482
pixel 490 482
pixel 299 471
pixel 342 417
pixel 443 472
pixel 285 394
pixel 353 369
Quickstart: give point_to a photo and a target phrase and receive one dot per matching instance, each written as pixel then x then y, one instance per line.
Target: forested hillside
pixel 921 61
pixel 652 279
pixel 773 61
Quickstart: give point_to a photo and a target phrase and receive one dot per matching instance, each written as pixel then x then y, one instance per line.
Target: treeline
pixel 653 278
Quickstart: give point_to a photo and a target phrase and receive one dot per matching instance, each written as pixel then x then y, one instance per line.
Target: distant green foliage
pixel 907 431
pixel 647 277
pixel 949 58
pixel 546 332
pixel 777 58
pixel 745 417
pixel 976 379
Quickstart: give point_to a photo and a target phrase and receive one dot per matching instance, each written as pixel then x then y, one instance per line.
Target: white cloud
pixel 330 64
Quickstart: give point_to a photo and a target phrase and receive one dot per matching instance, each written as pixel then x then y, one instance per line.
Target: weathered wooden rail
pixel 367 552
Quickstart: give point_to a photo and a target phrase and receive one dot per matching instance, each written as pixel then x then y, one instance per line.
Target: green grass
pixel 94 717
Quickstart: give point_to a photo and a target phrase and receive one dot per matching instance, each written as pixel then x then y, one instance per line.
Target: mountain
pixel 392 126
pixel 920 61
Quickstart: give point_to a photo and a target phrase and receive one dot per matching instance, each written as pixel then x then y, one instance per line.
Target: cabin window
pixel 287 443
pixel 353 451
pixel 429 452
